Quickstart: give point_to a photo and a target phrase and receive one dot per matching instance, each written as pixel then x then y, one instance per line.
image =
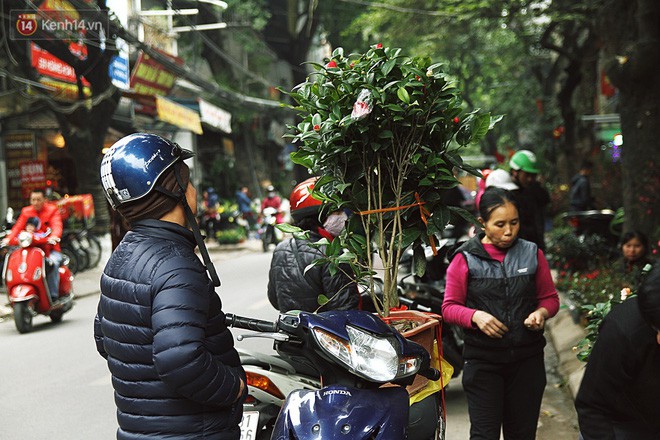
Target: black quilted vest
pixel 507 291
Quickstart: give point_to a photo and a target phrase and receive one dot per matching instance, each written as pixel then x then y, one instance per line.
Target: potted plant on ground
pixel 384 132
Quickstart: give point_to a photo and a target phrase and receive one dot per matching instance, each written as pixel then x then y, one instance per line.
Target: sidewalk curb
pixel 564 334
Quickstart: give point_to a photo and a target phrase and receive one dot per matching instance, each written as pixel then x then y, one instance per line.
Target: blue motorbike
pixel 354 353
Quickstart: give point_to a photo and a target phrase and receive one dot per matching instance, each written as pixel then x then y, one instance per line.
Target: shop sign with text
pixel 178 115
pixel 33 176
pixel 149 77
pixel 215 116
pixel 19 147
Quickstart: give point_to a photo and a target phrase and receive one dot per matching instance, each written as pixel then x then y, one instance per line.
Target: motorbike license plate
pixel 249 425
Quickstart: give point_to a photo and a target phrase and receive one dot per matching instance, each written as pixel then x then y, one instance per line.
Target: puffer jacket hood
pixel 160 326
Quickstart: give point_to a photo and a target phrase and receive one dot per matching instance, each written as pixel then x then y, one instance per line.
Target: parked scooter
pixel 82 248
pixel 7 224
pixel 593 222
pixel 268 232
pixel 269 379
pixel 24 274
pixel 355 354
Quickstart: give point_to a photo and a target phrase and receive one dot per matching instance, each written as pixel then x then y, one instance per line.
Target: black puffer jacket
pixel 160 325
pixel 289 288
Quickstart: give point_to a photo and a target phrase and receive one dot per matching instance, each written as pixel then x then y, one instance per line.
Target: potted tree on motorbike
pixel 384 131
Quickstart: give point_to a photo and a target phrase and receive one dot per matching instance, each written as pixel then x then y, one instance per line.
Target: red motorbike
pixel 24 274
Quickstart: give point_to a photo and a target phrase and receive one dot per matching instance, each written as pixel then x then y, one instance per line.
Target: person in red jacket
pixel 272 200
pixel 49 216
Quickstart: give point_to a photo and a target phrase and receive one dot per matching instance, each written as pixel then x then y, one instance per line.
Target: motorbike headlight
pixel 24 239
pixel 334 345
pixel 367 355
pixel 373 357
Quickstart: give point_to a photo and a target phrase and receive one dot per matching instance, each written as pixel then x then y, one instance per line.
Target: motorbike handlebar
pixel 414 305
pixel 431 374
pixel 250 323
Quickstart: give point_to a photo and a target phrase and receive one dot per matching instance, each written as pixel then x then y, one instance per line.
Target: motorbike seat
pixel 265 361
pixel 276 362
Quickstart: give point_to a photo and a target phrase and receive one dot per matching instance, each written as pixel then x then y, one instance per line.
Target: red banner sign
pixel 49 65
pixel 33 176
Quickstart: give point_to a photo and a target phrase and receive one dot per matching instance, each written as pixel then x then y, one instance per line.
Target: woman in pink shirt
pixel 499 288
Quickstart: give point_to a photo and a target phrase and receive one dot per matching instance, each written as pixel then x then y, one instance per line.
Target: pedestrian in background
pixel 499 288
pixel 580 193
pixel 208 215
pixel 500 179
pixel 619 397
pixel 634 254
pixel 159 324
pixel 532 197
pixel 244 202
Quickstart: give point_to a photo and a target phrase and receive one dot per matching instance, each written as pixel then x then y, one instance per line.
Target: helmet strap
pixel 192 222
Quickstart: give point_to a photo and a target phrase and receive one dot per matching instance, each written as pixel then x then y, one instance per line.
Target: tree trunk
pixel 640 156
pixel 84 132
pixel 631 35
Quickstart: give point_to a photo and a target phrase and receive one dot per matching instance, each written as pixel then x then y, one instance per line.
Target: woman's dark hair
pixel 492 199
pixel 649 297
pixel 625 238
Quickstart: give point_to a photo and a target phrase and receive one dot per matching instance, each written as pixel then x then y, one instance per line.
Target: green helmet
pixel 524 160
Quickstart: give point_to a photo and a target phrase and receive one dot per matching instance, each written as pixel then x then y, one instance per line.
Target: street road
pixel 53 384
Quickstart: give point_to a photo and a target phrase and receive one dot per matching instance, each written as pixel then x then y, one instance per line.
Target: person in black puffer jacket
pixel 289 287
pixel 618 396
pixel 159 323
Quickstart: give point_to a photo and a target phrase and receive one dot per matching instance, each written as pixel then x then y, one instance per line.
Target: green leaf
pixel 390 84
pixel 408 236
pixel 394 108
pixel 387 67
pixel 464 136
pixel 467 215
pixel 302 158
pixel 403 95
pixel 314 263
pixel 495 120
pixel 386 134
pixel 287 228
pixel 480 127
pixel 419 261
pixel 440 217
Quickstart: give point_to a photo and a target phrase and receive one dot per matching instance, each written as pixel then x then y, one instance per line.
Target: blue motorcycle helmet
pixel 130 171
pixel 131 167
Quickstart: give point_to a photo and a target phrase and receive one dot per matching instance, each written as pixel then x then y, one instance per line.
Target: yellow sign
pixel 179 115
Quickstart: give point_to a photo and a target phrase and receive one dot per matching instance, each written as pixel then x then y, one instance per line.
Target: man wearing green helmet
pixel 531 196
